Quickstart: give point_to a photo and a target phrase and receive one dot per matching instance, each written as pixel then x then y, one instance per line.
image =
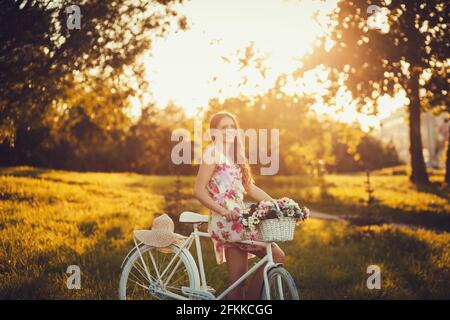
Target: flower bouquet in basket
pixel 276 219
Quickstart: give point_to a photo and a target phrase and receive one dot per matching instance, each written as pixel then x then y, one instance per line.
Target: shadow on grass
pixel 23 171
pixel 335 267
pixel 436 188
pixel 37 173
pixel 439 221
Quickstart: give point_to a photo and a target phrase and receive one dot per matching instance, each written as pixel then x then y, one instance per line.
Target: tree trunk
pixel 419 172
pixel 447 164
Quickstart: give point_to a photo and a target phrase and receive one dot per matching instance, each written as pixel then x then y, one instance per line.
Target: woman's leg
pixel 237 265
pixel 254 288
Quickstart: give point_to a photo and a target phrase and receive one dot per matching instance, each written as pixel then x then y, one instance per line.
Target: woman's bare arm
pixel 257 193
pixel 204 174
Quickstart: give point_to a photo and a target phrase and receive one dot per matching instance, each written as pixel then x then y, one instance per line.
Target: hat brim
pixel 157 238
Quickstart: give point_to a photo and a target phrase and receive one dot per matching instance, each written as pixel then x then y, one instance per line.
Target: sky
pixel 188 68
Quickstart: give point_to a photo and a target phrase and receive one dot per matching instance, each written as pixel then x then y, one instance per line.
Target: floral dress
pixel 226 188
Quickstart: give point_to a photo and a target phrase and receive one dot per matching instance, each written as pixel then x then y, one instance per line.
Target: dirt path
pixel 326 216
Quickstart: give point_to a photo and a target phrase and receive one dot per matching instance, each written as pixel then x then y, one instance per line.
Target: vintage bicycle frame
pixel 195 236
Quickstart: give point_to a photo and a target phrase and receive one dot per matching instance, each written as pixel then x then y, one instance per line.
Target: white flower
pixel 259 213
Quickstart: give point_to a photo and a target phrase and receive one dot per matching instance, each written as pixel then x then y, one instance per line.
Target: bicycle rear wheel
pixel 140 280
pixel 281 285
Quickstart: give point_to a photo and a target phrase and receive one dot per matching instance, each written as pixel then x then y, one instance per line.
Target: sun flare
pixel 234 48
pixel 206 61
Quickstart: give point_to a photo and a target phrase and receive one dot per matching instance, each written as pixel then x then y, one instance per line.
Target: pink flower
pixel 222 197
pixel 215 236
pixel 225 234
pixel 220 224
pixel 221 167
pixel 282 202
pixel 213 187
pixel 229 194
pixel 222 174
pixel 237 226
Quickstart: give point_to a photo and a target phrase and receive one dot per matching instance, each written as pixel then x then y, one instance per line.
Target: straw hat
pixel 161 234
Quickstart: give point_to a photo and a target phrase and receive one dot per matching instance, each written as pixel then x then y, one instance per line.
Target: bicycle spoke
pixel 167 272
pixel 182 275
pixel 141 285
pixel 154 265
pixel 137 278
pixel 173 271
pixel 142 271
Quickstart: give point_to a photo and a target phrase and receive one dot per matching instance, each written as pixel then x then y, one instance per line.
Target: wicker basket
pixel 278 229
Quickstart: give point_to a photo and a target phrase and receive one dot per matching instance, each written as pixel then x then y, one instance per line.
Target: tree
pixel 305 141
pixel 404 44
pixel 374 155
pixel 447 164
pixel 147 148
pixel 355 150
pixel 41 58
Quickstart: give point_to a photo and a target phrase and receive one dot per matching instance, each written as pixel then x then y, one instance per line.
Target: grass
pixel 396 198
pixel 52 219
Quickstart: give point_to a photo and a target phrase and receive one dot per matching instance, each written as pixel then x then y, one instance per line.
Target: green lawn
pixel 52 219
pixel 397 199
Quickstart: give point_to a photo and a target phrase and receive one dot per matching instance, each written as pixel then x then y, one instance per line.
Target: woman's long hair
pixel 247 177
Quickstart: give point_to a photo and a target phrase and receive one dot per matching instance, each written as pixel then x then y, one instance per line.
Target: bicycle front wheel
pixel 281 285
pixel 144 276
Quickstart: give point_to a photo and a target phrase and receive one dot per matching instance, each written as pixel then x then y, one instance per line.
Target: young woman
pixel 220 186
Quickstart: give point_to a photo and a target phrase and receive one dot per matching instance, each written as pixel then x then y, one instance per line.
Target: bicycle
pixel 172 273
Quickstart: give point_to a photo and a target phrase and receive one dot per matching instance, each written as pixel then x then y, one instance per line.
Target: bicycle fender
pixel 129 254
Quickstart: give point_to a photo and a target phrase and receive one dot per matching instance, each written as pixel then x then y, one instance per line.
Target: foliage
pixel 41 59
pixel 407 48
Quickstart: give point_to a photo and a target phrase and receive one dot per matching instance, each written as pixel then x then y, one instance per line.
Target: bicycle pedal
pixel 199 293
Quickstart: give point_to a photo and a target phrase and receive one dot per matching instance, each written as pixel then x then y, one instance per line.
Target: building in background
pixel 434 129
